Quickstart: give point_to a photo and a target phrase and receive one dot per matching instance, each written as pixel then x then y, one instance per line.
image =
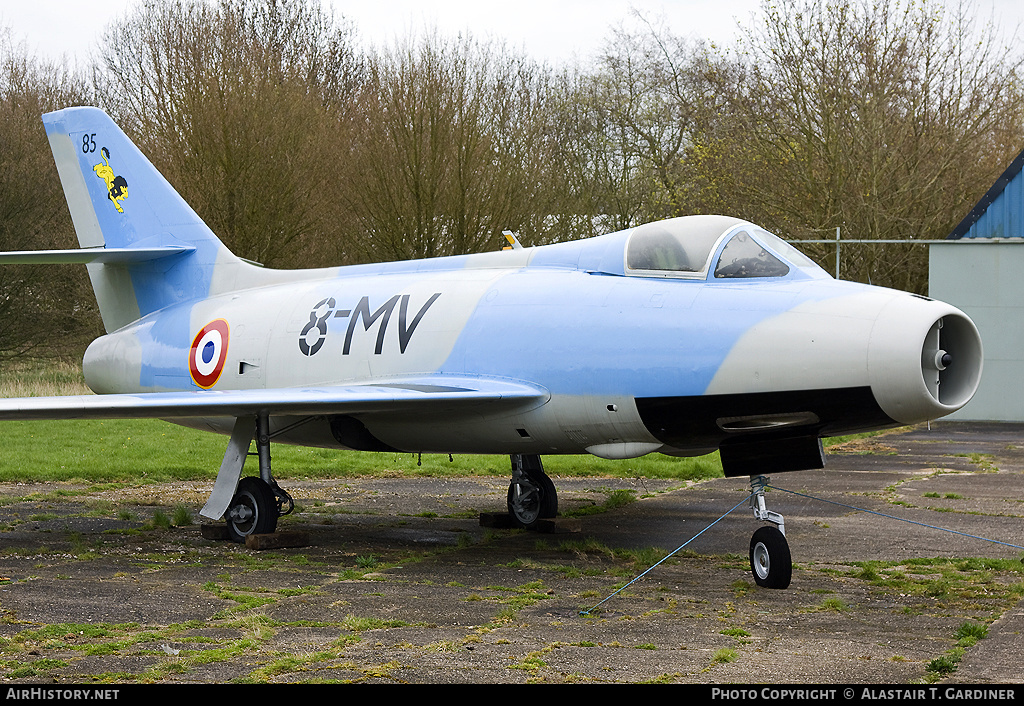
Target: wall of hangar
pixel 985 279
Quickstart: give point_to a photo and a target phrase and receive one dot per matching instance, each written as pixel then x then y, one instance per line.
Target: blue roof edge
pixel 991 195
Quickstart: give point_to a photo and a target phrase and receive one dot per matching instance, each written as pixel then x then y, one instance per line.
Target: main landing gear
pixel 253 509
pixel 251 505
pixel 770 560
pixel 531 494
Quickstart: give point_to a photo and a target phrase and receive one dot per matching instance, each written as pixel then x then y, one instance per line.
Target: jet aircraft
pixel 678 337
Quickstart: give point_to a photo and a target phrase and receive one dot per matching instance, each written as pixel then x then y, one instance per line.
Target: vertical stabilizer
pixel 118 199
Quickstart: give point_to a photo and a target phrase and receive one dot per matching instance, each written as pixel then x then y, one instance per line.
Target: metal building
pixel 980 269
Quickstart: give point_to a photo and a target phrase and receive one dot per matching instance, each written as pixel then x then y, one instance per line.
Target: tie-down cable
pixel 803 495
pixel 668 556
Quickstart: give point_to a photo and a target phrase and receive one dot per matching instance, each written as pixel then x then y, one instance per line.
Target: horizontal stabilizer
pixel 422 395
pixel 85 256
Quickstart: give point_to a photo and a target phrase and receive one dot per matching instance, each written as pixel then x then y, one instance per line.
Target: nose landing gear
pixel 770 560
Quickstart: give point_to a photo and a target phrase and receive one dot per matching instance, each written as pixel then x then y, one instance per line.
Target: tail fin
pixel 121 203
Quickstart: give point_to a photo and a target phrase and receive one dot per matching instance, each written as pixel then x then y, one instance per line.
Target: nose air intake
pixel 951 360
pixel 925 360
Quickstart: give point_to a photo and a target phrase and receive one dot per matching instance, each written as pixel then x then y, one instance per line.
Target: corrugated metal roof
pixel 1000 212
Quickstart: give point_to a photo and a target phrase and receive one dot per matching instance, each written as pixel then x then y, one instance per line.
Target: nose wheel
pixel 770 560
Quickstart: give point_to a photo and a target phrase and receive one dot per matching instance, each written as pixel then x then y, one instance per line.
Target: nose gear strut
pixel 770 560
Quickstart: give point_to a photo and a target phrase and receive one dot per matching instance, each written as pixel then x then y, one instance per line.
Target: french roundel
pixel 209 351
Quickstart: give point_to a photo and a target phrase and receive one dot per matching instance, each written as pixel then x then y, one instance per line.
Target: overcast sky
pixel 549 30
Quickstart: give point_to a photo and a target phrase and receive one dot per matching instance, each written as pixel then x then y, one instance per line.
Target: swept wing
pixel 427 395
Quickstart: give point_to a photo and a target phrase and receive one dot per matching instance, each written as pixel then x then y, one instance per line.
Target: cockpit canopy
pixel 686 248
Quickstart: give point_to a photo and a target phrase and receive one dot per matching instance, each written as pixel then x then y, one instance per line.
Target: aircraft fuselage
pixel 632 364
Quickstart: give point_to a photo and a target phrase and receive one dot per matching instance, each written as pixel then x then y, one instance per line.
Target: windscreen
pixel 744 257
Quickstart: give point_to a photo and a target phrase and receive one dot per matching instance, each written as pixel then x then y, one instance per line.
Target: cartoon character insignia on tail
pixel 117 186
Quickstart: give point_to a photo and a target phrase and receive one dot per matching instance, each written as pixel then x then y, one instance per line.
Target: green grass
pixel 724 655
pixel 967 635
pixel 152 450
pixel 156 451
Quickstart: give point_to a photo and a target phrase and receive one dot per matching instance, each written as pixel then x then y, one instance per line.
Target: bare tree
pixel 885 120
pixel 449 154
pixel 629 122
pixel 43 312
pixel 244 104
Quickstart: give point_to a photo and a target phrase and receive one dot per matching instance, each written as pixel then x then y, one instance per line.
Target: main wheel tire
pixel 528 503
pixel 253 510
pixel 770 560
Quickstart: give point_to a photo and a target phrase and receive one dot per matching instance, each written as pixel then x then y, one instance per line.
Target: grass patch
pixel 366 562
pixel 151 450
pixel 616 499
pixel 969 633
pixel 354 623
pixel 832 605
pixel 724 655
pixel 21 378
pixel 967 636
pixel 976 579
pixel 182 516
pixel 982 461
pixel 160 520
pixel 738 633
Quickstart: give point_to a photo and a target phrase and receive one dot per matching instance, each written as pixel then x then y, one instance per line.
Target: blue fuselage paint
pixel 576 332
pixel 579 333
